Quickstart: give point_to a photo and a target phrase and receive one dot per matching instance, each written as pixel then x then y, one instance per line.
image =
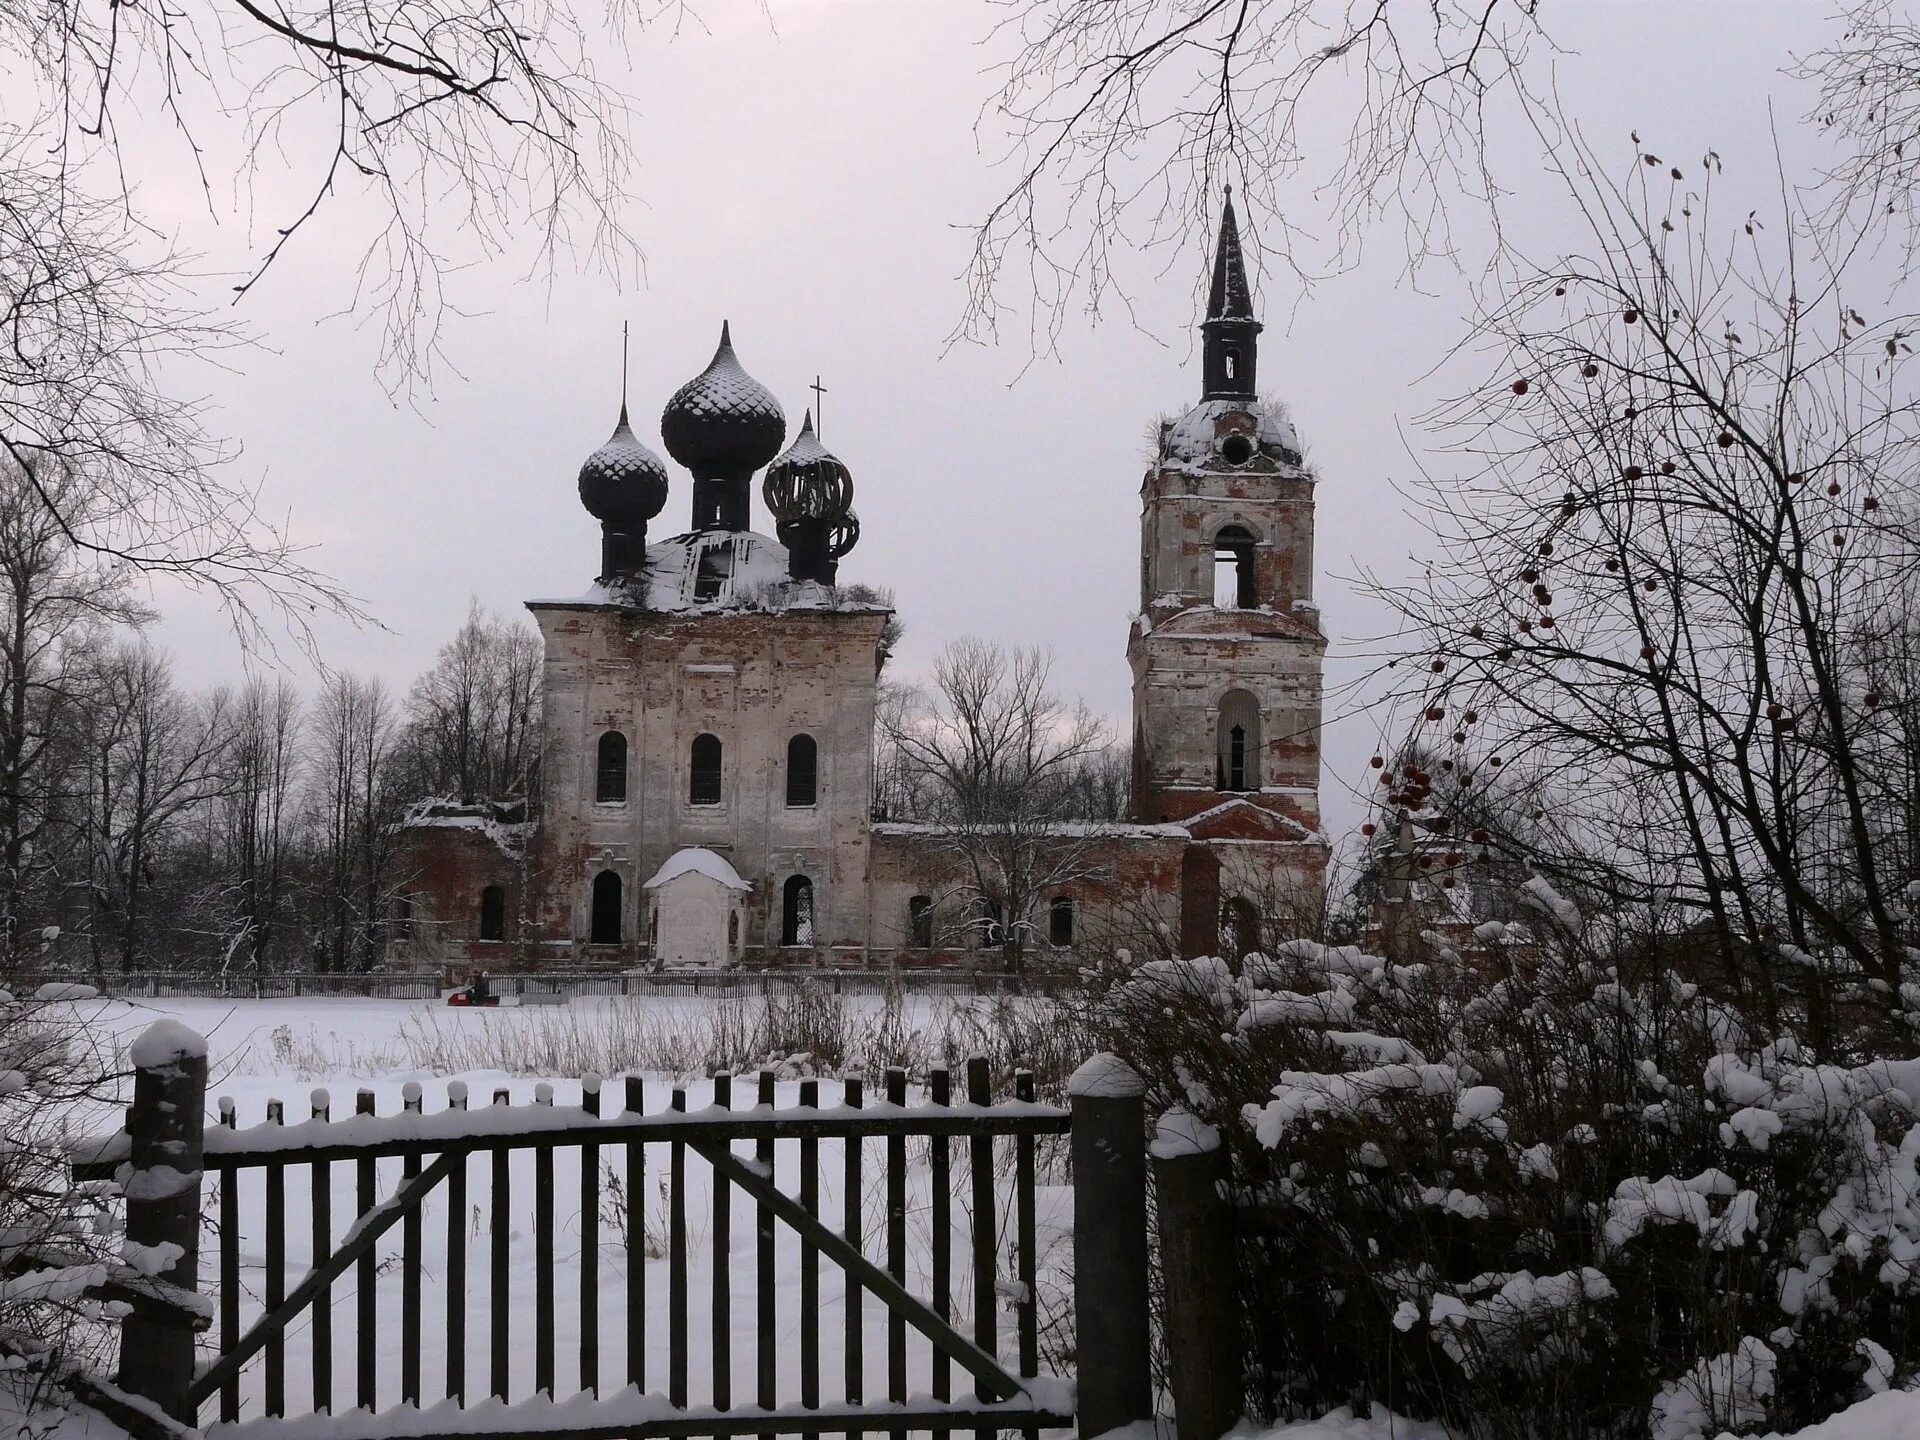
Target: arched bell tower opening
pixel 1236 584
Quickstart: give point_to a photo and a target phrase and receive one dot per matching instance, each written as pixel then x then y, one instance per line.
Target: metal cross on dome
pixel 818 390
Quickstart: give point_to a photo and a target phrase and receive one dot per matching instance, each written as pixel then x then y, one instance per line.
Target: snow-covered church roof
pixel 712 571
pixel 1193 441
pixel 697 860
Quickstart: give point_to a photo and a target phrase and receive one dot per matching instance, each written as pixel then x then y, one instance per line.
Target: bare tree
pixel 1868 83
pixel 474 717
pixel 480 121
pixel 1125 116
pixel 992 755
pixel 256 823
pixel 154 756
pixel 55 605
pixel 1684 482
pixel 355 801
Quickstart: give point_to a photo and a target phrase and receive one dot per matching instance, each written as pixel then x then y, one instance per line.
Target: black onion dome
pixel 623 482
pixel 723 421
pixel 807 482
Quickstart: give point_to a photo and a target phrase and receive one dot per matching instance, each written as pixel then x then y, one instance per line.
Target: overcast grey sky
pixel 808 176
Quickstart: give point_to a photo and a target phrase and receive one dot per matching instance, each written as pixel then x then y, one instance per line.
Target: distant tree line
pixel 240 828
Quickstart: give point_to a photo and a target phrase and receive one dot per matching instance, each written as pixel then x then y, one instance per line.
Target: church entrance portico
pixel 697 910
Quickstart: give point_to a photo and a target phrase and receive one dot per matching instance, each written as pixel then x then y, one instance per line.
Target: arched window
pixel 493 913
pixel 920 922
pixel 1231 362
pixel 605 928
pixel 402 916
pixel 803 771
pixel 1060 921
pixel 1238 760
pixel 1239 928
pixel 796 911
pixel 733 929
pixel 1233 581
pixel 703 776
pixel 610 775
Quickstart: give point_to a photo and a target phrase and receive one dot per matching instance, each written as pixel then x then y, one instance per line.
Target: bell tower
pixel 1226 651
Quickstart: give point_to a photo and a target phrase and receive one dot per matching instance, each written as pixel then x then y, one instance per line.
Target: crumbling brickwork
pixel 1215 650
pixel 753 679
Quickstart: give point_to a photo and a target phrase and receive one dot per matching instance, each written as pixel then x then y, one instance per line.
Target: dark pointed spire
pixel 1230 327
pixel 1230 298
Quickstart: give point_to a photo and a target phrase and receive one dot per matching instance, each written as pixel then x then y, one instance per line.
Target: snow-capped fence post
pixel 165 1130
pixel 1199 1286
pixel 1110 1298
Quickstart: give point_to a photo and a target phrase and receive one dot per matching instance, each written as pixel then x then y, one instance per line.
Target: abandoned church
pixel 706 794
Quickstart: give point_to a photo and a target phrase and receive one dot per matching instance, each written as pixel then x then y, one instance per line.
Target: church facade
pixel 707 769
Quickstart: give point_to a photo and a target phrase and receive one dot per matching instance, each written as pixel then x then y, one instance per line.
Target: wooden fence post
pixel 1199 1287
pixel 1110 1303
pixel 165 1129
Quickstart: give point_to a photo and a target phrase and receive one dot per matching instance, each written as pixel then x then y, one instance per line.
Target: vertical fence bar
pixel 852 1226
pixel 274 1401
pixel 810 1255
pixel 636 1186
pixel 322 1215
pixel 677 1264
pixel 543 1255
pixel 366 1320
pixel 498 1294
pixel 986 1303
pixel 896 1239
pixel 229 1266
pixel 410 1261
pixel 940 1167
pixel 166 1140
pixel 763 1262
pixel 457 1261
pixel 1028 1309
pixel 722 1263
pixel 590 1244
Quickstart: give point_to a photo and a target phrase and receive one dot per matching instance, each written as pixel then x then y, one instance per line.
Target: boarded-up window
pixel 610 774
pixel 803 771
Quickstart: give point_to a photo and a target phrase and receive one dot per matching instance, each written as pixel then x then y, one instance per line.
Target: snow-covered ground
pixel 289 1049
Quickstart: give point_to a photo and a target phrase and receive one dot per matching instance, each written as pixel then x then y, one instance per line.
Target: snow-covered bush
pixel 54 1243
pixel 1584 1199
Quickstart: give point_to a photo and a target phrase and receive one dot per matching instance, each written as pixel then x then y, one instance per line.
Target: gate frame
pixel 1106 1122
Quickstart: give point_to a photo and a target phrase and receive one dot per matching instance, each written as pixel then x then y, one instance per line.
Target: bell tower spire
pixel 1232 333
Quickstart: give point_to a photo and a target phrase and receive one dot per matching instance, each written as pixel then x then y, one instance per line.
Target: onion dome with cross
pixel 722 425
pixel 623 485
pixel 810 493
